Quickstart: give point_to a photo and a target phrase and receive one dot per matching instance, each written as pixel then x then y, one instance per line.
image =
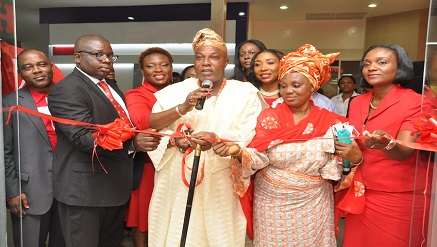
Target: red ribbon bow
pixel 427 127
pixel 112 135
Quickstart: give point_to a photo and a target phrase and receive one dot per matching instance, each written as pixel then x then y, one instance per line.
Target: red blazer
pixel 399 110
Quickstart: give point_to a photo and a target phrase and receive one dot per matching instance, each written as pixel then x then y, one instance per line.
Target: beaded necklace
pixel 269 94
pixel 371 105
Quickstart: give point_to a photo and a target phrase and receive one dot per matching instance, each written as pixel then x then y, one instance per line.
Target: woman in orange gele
pixel 293 199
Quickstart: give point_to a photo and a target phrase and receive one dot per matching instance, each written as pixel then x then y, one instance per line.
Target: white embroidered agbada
pixel 216 216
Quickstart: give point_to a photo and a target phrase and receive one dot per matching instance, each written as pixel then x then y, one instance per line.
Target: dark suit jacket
pixel 76 97
pixel 29 136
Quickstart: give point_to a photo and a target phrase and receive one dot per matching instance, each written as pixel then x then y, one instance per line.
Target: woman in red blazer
pixel 380 201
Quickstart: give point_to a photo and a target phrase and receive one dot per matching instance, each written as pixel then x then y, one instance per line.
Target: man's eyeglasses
pixel 101 56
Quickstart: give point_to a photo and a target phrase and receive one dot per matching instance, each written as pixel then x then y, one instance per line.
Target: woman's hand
pixel 225 149
pixel 351 152
pixel 379 139
pixel 192 98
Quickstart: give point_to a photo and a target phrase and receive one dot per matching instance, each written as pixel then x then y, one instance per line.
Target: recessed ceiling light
pixel 372 5
pixel 131 18
pixel 284 7
pixel 241 14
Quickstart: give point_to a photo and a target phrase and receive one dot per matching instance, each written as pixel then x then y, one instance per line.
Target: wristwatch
pixel 390 145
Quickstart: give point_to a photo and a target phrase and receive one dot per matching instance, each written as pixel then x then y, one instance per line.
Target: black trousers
pixel 92 226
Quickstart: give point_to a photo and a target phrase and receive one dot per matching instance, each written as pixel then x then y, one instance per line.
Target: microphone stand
pixel 190 194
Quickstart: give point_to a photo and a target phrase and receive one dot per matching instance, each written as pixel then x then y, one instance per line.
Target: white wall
pixel 136 33
pixel 347 37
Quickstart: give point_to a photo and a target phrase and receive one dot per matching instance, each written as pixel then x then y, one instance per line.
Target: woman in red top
pixel 380 201
pixel 156 67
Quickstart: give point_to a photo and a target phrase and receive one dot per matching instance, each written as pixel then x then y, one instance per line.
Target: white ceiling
pixel 259 10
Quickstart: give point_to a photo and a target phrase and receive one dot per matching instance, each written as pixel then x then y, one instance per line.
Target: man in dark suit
pixel 91 195
pixel 29 142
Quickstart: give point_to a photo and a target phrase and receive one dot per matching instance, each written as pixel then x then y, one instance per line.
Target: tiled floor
pixel 128 242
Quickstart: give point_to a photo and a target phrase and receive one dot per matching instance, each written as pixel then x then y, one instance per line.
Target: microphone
pixel 343 136
pixel 201 102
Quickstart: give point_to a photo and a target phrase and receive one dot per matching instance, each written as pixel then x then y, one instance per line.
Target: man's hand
pixel 14 204
pixel 146 142
pixel 199 139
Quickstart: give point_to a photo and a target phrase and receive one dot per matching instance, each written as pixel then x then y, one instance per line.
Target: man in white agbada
pixel 230 112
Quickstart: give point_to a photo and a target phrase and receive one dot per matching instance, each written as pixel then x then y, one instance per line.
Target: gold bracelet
pixel 178 112
pixel 239 152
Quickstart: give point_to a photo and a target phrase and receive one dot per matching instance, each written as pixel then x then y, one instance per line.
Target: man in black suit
pixel 91 196
pixel 29 142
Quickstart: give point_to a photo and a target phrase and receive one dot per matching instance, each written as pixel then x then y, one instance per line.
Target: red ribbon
pixel 202 169
pixel 111 136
